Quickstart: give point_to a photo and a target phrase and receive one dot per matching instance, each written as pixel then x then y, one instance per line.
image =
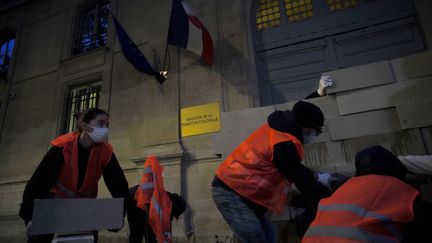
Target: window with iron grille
pixel 80 99
pixel 7 42
pixel 92 26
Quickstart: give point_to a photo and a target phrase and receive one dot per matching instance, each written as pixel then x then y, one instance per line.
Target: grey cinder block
pixel 360 77
pixel 415 115
pixel 362 124
pixel 76 215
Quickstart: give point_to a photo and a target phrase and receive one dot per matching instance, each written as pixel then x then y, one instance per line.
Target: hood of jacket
pixel 285 121
pixel 379 161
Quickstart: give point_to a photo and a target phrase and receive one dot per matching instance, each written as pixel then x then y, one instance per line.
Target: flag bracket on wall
pixel 134 55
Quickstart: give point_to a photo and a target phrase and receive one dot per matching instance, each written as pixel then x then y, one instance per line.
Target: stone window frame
pixel 87 35
pixel 80 98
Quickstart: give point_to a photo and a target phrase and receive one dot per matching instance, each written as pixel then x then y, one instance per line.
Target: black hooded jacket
pixel 379 161
pixel 287 160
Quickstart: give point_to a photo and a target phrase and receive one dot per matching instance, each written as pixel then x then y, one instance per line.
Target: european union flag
pixel 133 54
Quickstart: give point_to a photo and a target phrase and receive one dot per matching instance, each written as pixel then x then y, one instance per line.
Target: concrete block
pixel 324 154
pixel 415 115
pixel 413 66
pixel 363 124
pixel 401 143
pixel 384 96
pixel 427 138
pixel 326 103
pixel 357 77
pixel 76 215
pixel 248 119
pixel 238 125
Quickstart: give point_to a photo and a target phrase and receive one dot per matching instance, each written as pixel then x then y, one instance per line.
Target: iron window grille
pixel 80 99
pixel 92 26
pixel 6 49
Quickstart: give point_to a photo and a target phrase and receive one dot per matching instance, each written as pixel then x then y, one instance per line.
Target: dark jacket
pixel 288 162
pixel 379 161
pixel 137 217
pixel 46 174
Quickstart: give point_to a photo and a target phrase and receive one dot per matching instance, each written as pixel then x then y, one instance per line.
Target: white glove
pixel 324 178
pixel 325 82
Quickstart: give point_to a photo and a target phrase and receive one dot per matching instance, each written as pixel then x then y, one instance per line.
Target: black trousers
pixel 139 227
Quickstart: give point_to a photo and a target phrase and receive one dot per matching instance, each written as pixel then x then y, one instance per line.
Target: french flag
pixel 186 31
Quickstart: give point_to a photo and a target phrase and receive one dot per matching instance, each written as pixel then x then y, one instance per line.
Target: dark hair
pixel 88 115
pixel 379 161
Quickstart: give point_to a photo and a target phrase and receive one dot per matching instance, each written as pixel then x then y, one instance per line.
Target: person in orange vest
pixel 73 166
pixel 256 176
pixel 374 206
pixel 138 218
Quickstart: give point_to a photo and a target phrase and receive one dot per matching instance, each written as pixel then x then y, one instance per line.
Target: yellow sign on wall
pixel 200 119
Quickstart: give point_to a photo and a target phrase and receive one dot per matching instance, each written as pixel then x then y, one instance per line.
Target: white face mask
pixel 308 138
pixel 99 134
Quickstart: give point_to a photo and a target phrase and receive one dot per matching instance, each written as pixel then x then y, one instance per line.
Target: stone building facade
pixel 381 64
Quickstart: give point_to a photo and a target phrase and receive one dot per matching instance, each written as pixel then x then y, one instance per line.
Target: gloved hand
pixel 323 178
pixel 324 83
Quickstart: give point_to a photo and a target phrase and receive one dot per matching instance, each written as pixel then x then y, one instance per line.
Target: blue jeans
pixel 246 225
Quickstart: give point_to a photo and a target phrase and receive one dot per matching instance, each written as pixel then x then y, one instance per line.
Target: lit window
pixel 80 99
pixel 297 10
pixel 337 5
pixel 6 50
pixel 268 14
pixel 92 26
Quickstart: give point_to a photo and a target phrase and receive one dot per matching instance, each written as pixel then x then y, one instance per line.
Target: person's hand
pixel 324 83
pixel 324 178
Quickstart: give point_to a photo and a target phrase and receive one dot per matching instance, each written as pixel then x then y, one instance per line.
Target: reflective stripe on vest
pixel 382 219
pixel 72 194
pixel 347 233
pixel 153 198
pixel 249 170
pixel 369 208
pixel 67 179
pixel 147 185
pixel 156 206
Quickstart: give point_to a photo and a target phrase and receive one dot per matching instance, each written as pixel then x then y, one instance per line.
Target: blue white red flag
pixel 187 32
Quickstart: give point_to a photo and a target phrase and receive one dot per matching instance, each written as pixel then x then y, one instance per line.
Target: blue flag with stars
pixel 133 54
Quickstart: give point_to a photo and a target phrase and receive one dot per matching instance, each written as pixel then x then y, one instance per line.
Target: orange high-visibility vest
pixel 67 181
pixel 249 170
pixel 371 208
pixel 152 197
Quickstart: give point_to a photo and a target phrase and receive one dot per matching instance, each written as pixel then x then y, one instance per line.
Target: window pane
pixel 5 56
pixel 92 26
pixel 80 99
pixel 268 14
pixel 337 5
pixel 297 10
pixel 10 47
